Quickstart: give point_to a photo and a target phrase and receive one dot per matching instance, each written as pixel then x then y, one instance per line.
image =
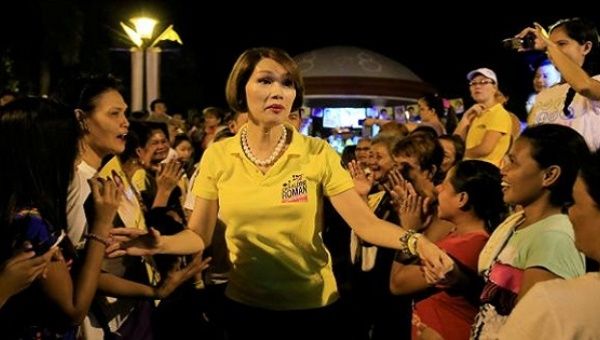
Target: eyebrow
pixel 286 74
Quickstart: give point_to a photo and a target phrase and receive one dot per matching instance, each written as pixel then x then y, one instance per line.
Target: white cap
pixel 486 72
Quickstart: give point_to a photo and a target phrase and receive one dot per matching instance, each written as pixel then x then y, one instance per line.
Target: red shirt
pixel 452 315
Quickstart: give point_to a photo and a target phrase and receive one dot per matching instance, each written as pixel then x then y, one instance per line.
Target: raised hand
pixel 107 198
pixel 411 211
pixel 473 112
pixel 134 242
pixel 362 182
pixel 169 175
pixel 398 187
pixel 177 275
pixel 541 37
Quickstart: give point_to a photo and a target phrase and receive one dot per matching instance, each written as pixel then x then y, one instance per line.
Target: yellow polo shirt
pixel 496 118
pixel 273 226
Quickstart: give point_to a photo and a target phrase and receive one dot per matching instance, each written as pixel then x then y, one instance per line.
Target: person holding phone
pixel 21 270
pixel 572 45
pixel 35 176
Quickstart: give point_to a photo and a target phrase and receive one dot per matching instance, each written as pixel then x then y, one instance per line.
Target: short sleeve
pixel 336 179
pixel 556 252
pixel 500 121
pixel 205 184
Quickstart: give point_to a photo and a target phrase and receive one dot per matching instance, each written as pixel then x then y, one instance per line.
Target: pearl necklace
pixel 271 159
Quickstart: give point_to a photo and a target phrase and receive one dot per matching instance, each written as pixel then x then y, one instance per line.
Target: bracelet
pixel 404 241
pixel 94 237
pixel 412 244
pixel 405 259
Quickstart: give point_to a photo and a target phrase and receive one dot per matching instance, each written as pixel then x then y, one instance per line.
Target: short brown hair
pixel 235 90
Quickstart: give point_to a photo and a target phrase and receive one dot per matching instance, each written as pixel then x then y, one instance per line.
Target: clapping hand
pixel 362 181
pixel 169 175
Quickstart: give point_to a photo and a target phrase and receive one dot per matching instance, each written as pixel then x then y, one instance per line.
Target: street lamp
pixel 145 49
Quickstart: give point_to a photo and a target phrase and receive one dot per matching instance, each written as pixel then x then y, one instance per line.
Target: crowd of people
pixel 235 225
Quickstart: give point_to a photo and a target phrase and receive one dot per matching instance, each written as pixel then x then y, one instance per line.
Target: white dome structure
pixel 351 76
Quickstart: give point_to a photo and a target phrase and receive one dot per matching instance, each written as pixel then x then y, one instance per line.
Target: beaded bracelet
pixel 91 236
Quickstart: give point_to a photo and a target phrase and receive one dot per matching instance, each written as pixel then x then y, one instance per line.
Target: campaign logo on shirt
pixel 294 190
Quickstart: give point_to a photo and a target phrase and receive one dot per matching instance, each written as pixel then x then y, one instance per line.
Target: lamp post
pixel 145 60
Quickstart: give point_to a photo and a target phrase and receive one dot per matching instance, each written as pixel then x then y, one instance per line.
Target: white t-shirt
pixel 79 190
pixel 557 309
pixel 117 309
pixel 585 113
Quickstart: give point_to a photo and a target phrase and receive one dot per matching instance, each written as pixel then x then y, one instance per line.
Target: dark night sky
pixel 439 45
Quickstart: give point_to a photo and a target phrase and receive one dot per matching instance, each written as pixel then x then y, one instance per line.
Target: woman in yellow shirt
pixel 267 184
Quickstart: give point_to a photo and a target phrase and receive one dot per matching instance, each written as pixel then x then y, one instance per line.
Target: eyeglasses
pixel 481 82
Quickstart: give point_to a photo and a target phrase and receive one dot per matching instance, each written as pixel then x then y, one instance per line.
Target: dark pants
pixel 247 322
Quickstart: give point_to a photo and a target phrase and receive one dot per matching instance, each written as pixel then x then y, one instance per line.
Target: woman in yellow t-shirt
pixel 485 127
pixel 267 185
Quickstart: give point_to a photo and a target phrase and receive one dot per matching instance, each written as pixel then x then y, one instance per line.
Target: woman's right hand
pixel 541 40
pixel 362 181
pixel 436 262
pixel 168 176
pixel 134 242
pixel 21 270
pixel 107 198
pixel 472 113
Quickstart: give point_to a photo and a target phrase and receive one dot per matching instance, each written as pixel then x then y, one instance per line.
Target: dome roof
pixel 349 61
pixel 346 75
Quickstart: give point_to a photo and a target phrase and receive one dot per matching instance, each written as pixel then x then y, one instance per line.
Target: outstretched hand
pixel 134 242
pixel 178 274
pixel 437 264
